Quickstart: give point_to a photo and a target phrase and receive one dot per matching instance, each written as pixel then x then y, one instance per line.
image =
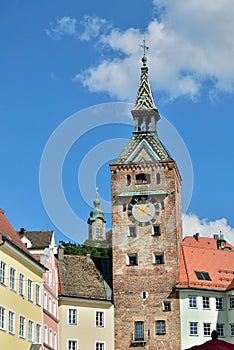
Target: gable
pixel 143 152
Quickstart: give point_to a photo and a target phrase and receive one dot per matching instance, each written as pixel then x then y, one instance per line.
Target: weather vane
pixel 144 47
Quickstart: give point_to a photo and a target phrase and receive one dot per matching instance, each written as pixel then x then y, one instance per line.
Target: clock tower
pixel 146 234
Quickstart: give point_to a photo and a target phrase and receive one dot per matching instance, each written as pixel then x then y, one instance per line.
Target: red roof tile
pixel 6 229
pixel 203 255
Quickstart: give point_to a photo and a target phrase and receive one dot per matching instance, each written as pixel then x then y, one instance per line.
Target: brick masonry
pixel 156 280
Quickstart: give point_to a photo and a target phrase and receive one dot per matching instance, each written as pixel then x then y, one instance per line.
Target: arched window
pixel 158 179
pixel 128 180
pixel 142 179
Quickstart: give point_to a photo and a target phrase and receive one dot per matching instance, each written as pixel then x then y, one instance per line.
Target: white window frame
pixel 192 326
pixel 38 333
pixel 30 330
pixel 192 305
pixel 220 328
pixel 70 344
pixel 12 278
pixel 22 326
pixel 45 300
pixel 231 303
pixel 11 322
pixel 30 289
pixel 72 316
pixel 38 295
pixel 2 318
pixel 219 303
pixel 206 329
pixel 45 334
pixel 3 273
pixel 100 319
pixel 51 337
pixel 21 284
pixel 231 329
pixel 55 341
pixel 100 345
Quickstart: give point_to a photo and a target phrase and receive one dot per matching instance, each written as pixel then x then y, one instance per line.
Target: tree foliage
pixel 96 249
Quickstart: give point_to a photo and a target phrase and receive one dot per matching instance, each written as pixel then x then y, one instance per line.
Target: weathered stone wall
pixel 156 280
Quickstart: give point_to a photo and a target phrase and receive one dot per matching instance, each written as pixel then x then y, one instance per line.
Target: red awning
pixel 213 345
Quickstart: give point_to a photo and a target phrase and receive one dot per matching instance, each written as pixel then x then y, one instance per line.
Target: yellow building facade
pixel 21 317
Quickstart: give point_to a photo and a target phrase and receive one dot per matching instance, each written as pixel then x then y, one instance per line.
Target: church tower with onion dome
pixel 146 234
pixel 97 222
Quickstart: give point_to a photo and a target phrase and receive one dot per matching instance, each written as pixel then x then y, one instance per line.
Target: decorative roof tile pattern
pixel 79 277
pixel 144 100
pixel 203 255
pixel 39 239
pixel 139 141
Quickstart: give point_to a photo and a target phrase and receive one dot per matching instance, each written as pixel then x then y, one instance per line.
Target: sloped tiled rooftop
pixel 79 277
pixel 39 239
pixel 203 255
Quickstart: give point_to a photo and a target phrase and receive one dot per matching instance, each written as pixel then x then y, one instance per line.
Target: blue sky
pixel 61 57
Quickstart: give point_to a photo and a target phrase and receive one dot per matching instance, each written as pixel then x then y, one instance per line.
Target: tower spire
pixel 145 113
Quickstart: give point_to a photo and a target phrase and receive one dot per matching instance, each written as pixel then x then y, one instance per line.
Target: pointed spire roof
pixel 144 100
pixel 144 145
pixel 145 113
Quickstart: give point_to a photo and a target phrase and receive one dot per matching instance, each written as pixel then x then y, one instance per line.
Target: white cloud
pixel 63 26
pixel 192 224
pixel 190 43
pixel 93 26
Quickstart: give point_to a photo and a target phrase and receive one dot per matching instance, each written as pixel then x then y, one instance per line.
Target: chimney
pixel 88 256
pixel 196 236
pixel 60 254
pixel 221 243
pixel 22 231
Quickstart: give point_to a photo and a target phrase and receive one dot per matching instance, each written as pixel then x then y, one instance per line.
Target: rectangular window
pixel 192 301
pixel 220 329
pixel 55 341
pixel 38 333
pixel 50 304
pixel 193 330
pixel 201 275
pixel 99 319
pixel 232 329
pixel 99 346
pixel 54 309
pixel 2 318
pixel 72 344
pixel 219 303
pixel 38 294
pixel 45 334
pixel 139 330
pixel 11 322
pixel 160 327
pixel 12 278
pixel 166 306
pixel 205 302
pixel 3 272
pixel 159 258
pixel 30 331
pixel 132 259
pixel 206 329
pixel 132 231
pixel 45 301
pixel 21 284
pixel 22 327
pixel 156 230
pixel 51 338
pixel 72 317
pixel 30 291
pixel 231 303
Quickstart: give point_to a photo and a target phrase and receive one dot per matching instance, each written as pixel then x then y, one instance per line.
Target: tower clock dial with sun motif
pixel 144 211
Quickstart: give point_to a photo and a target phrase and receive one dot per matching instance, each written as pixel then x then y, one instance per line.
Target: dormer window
pixel 142 179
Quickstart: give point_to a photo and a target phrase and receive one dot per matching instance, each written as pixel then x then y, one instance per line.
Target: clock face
pixel 143 211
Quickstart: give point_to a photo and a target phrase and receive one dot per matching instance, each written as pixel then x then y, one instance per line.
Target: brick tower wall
pixel 140 291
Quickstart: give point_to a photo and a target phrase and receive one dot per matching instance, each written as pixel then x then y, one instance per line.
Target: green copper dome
pixel 97 212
